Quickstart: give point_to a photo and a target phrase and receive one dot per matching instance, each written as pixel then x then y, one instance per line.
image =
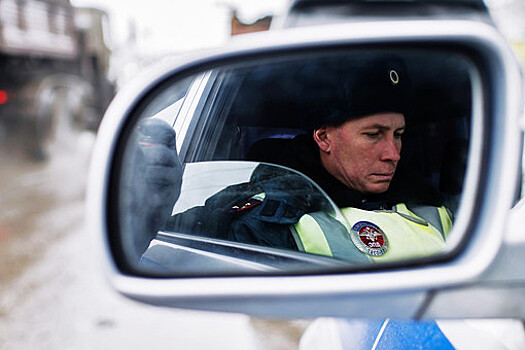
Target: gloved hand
pixel 152 179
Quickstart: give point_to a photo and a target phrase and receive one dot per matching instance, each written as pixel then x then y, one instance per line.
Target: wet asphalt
pixel 53 294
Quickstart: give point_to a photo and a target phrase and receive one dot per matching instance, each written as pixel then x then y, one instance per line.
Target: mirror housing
pixel 407 291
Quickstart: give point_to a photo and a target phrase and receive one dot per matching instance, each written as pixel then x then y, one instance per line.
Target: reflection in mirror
pixel 305 162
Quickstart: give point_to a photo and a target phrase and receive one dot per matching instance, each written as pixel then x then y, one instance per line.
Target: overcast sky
pixel 179 25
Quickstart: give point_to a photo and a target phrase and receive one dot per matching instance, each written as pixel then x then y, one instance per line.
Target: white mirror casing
pixel 486 265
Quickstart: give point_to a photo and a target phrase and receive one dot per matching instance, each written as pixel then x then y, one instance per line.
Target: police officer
pixel 352 152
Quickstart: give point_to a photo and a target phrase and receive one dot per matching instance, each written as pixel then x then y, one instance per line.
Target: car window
pixel 244 155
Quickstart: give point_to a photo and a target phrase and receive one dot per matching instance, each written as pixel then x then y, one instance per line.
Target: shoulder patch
pixel 245 206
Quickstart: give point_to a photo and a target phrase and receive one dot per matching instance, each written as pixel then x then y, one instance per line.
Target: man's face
pixel 363 153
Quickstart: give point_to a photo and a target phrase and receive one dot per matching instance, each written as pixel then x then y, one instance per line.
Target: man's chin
pixel 379 187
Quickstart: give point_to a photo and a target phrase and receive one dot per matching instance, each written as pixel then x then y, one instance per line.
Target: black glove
pixel 153 179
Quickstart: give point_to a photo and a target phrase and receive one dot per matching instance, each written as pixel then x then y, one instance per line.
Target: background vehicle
pixel 53 77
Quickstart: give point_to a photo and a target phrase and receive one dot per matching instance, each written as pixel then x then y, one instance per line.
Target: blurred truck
pixel 54 60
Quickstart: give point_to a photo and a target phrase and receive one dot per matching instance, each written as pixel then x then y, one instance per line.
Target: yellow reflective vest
pixel 379 235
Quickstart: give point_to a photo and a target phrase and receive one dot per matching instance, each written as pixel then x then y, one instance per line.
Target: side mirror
pixel 232 183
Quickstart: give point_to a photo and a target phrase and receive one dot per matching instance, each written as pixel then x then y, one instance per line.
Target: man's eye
pixel 398 135
pixel 372 134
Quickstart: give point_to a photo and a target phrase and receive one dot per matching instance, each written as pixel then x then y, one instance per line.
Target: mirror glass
pixel 305 162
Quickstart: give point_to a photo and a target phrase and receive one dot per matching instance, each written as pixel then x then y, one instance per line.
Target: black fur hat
pixel 333 95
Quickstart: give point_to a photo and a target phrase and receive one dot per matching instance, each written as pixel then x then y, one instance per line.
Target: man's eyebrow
pixel 384 127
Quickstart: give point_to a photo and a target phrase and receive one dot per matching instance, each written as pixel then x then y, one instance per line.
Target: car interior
pixel 257 110
pixel 249 113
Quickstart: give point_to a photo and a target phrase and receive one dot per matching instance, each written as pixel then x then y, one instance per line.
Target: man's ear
pixel 322 139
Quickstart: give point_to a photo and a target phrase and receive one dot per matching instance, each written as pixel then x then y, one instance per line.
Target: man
pixel 356 164
pixel 352 152
pixel 363 153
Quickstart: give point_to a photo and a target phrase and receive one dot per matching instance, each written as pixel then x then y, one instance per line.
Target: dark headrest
pixel 453 166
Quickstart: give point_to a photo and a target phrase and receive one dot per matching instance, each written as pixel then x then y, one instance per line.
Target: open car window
pixel 236 128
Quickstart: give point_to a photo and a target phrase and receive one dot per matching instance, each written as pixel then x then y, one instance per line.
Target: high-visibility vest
pixel 379 235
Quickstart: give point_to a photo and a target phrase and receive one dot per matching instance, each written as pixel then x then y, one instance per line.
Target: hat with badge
pixel 373 85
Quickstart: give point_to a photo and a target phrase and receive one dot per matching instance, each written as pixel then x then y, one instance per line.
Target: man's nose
pixel 391 150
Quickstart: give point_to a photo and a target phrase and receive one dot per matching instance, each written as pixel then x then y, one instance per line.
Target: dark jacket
pixel 236 213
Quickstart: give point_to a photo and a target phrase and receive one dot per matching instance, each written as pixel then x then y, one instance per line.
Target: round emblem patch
pixel 369 238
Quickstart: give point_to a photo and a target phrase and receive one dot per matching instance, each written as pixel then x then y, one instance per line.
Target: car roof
pixel 477 4
pixel 313 12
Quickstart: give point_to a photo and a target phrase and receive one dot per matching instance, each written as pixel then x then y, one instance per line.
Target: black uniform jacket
pixel 236 213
